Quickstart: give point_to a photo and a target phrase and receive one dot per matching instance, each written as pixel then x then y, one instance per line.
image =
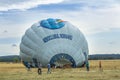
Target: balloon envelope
pixel 53 41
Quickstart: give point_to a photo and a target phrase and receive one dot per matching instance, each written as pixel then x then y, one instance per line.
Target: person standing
pixel 49 68
pixel 100 66
pixel 87 65
pixel 28 66
pixel 39 68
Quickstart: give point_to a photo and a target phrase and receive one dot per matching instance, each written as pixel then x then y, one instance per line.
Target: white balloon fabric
pixel 53 41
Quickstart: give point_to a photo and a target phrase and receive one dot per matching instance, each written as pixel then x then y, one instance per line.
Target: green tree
pixel 16 60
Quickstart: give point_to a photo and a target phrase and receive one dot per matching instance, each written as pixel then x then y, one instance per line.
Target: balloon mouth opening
pixel 62 60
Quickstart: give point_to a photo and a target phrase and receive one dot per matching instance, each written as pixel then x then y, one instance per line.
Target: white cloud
pixel 93 2
pixel 13 30
pixel 92 21
pixel 6 5
pixel 8 50
pixel 89 20
pixel 94 17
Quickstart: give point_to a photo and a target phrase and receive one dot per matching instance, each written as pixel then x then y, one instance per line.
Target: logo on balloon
pixel 57 36
pixel 52 23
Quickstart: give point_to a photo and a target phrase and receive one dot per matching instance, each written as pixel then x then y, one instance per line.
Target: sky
pixel 97 19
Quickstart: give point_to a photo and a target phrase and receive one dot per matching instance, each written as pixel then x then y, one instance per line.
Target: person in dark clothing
pixel 28 66
pixel 39 68
pixel 100 66
pixel 87 66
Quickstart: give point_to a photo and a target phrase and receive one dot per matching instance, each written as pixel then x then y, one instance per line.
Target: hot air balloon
pixel 54 41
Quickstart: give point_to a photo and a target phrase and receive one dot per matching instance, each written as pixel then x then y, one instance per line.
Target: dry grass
pixel 111 71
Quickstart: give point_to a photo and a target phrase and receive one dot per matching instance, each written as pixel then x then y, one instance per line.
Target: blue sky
pixel 97 19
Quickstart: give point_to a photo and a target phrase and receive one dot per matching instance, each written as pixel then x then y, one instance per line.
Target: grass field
pixel 16 71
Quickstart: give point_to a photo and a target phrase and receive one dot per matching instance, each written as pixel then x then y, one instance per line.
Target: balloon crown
pixel 51 23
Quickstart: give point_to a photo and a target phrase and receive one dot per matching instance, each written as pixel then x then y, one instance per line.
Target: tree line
pixel 16 58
